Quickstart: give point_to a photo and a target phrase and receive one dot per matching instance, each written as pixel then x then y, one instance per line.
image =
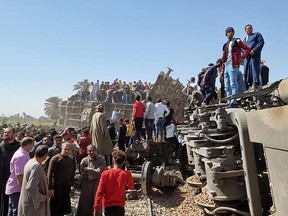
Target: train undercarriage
pixel 234 152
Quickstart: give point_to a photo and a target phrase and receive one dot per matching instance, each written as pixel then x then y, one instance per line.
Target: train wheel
pixel 146 178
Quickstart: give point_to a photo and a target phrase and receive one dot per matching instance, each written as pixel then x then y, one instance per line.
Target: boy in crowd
pixel 112 185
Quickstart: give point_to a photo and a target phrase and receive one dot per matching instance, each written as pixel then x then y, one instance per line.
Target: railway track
pixel 178 201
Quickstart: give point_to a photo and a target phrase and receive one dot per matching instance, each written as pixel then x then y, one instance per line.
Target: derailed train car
pixel 240 154
pixel 77 113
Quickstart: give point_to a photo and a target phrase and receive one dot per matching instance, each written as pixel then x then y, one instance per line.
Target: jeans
pixel 92 96
pixel 13 204
pixel 159 124
pixel 149 128
pixel 231 83
pixel 125 98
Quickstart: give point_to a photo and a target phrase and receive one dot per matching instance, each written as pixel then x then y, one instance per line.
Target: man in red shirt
pixel 138 116
pixel 112 185
pixel 84 141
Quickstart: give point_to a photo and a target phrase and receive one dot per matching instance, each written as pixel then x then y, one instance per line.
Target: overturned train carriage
pixel 78 114
pixel 241 154
pixel 170 89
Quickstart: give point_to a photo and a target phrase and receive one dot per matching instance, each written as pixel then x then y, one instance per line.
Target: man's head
pixel 85 132
pixel 9 135
pixel 66 149
pixel 41 153
pixel 57 140
pixel 229 32
pixel 91 150
pixel 248 29
pixel 99 108
pixel 19 136
pixel 53 132
pixel 119 157
pixel 219 63
pixel 73 135
pixel 120 121
pixel 66 136
pixel 27 143
pixel 46 141
pixel 158 100
pixel 137 98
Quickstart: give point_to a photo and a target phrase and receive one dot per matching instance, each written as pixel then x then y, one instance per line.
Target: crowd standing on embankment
pixel 57 154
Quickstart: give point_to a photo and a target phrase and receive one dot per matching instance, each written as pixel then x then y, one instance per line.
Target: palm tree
pixel 24 116
pixel 79 86
pixel 52 107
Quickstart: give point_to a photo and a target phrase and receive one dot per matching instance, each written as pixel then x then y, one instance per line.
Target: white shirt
pixel 229 56
pixel 194 86
pixel 149 110
pixel 115 115
pixel 170 129
pixel 160 109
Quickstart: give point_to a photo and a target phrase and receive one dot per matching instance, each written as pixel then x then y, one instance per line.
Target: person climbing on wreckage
pixel 208 82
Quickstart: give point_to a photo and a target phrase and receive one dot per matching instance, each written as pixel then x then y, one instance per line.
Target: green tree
pixel 18 117
pixel 79 86
pixel 24 116
pixel 52 107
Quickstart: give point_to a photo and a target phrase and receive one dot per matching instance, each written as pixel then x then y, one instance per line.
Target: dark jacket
pixel 6 153
pixel 210 77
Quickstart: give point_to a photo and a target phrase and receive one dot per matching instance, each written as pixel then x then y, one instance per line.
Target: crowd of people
pixel 116 91
pixel 38 164
pixel 236 52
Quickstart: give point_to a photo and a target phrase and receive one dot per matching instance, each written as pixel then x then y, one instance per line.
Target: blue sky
pixel 46 46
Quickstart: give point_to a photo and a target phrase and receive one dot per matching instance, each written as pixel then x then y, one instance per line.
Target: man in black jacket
pixel 208 82
pixel 7 148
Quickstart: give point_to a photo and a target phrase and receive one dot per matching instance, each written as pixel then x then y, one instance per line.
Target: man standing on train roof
pixel 252 62
pixel 255 42
pixel 232 59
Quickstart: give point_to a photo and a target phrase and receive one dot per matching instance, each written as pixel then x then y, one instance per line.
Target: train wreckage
pixel 238 154
pixel 78 113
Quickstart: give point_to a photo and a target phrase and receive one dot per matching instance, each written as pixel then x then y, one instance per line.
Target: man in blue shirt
pixel 255 42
